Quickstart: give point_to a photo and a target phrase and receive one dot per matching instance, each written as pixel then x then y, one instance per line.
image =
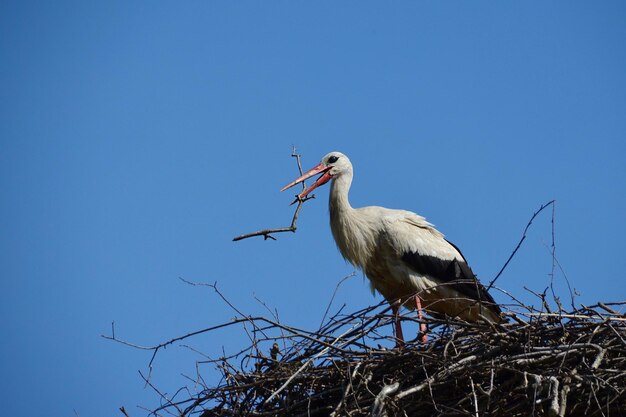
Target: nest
pixel 539 363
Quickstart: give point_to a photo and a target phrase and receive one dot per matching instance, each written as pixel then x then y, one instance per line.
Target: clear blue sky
pixel 137 139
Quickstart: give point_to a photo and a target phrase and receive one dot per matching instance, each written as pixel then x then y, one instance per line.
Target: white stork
pixel 405 258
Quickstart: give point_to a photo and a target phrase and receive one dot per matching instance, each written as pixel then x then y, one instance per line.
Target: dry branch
pixel 519 244
pixel 267 233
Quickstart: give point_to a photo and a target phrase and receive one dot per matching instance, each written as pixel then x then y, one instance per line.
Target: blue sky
pixel 137 139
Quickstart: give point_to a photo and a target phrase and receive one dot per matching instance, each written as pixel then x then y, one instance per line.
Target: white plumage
pixel 405 258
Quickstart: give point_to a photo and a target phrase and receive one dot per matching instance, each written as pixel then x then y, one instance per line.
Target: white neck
pixel 338 202
pixel 354 237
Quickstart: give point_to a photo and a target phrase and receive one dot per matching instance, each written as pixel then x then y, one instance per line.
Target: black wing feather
pixel 451 271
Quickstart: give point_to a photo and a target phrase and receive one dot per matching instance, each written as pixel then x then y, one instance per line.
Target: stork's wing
pixel 454 272
pixel 427 252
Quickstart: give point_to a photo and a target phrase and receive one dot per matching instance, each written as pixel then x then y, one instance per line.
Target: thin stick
pixel 333 297
pixel 474 395
pixel 267 233
pixel 577 316
pixel 519 244
pixel 163 396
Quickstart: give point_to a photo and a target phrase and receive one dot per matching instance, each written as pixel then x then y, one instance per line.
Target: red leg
pixel 420 316
pixel 395 307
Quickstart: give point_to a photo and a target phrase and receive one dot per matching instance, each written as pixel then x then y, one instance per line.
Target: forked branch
pixel 267 233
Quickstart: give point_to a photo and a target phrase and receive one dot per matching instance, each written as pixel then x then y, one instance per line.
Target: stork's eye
pixel 333 159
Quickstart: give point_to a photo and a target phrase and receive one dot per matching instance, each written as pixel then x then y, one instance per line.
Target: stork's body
pixel 405 258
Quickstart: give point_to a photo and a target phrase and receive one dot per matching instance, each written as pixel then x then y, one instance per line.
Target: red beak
pixel 323 179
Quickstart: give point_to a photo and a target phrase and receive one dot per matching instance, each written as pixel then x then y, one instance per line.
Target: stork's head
pixel 332 166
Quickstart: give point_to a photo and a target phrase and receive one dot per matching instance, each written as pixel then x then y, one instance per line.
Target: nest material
pixel 541 364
